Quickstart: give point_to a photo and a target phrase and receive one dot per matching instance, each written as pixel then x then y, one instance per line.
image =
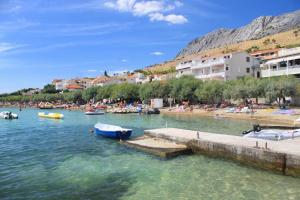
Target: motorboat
pixel 8 115
pixel 271 134
pixel 153 111
pixel 94 112
pixel 51 115
pixel 112 131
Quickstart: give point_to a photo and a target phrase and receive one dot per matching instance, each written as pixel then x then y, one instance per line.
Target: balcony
pixel 295 69
pixel 218 75
pixel 184 66
pixel 209 63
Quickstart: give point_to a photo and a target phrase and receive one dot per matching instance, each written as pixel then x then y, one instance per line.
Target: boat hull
pixel 123 135
pixel 274 134
pixel 94 113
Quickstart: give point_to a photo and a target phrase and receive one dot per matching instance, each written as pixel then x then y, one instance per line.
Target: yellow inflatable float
pixel 51 115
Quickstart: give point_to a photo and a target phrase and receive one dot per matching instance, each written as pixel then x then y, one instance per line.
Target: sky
pixel 44 40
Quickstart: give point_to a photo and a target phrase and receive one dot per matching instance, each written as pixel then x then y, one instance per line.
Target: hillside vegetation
pixel 286 39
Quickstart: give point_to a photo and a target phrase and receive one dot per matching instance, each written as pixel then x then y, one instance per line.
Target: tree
pixel 184 88
pixel 49 89
pixel 210 92
pixel 155 89
pixel 89 93
pixel 278 88
pixel 74 97
pixel 267 41
pixel 255 87
pixel 125 91
pixel 105 73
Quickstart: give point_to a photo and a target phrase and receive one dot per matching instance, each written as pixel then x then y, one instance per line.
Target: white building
pixel 141 78
pixel 224 67
pixel 185 68
pixel 60 84
pixel 286 63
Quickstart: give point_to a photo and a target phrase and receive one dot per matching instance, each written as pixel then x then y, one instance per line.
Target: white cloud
pixel 124 60
pixel 91 70
pixel 147 7
pixel 172 19
pixel 4 46
pixel 157 53
pixel 154 9
pixel 121 5
pixel 178 3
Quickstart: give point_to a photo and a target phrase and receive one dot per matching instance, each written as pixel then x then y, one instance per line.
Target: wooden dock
pixel 280 156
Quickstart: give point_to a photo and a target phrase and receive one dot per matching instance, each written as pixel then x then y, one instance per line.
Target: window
pixel 227 68
pixel 248 70
pixel 248 59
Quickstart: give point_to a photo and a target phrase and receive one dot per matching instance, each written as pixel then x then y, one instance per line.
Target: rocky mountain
pixel 258 28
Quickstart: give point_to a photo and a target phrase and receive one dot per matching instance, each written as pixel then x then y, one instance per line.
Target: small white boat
pixel 112 131
pixel 8 115
pixel 94 112
pixel 270 134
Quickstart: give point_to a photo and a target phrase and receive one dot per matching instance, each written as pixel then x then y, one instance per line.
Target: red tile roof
pixel 74 86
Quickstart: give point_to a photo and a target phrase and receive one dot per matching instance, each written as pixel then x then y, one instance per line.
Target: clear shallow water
pixel 60 159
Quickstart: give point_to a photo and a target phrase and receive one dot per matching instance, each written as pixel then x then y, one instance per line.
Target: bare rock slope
pixel 258 28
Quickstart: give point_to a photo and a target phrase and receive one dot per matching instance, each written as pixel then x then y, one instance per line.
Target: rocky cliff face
pixel 258 28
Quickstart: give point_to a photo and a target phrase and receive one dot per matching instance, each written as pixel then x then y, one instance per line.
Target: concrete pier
pixel 158 146
pixel 280 156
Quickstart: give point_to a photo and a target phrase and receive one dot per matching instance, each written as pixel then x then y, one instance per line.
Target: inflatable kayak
pixel 51 115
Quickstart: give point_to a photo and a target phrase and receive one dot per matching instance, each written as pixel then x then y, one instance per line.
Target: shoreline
pixel 260 116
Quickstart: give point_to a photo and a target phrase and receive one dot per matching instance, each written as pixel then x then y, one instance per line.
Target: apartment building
pixel 287 62
pixel 223 67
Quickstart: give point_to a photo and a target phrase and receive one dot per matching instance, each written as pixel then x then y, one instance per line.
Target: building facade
pixel 223 67
pixel 287 62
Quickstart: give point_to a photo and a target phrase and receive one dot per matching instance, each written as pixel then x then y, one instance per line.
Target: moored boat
pixel 8 115
pixel 94 112
pixel 112 131
pixel 271 134
pixel 51 115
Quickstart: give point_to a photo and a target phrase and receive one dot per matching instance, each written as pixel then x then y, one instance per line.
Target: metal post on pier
pixel 256 144
pixel 266 145
pixel 198 135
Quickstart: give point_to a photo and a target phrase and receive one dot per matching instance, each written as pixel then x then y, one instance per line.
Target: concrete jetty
pixel 280 156
pixel 158 146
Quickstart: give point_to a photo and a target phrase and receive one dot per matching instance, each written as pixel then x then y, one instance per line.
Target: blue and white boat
pixel 112 131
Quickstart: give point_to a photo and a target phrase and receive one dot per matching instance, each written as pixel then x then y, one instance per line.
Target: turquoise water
pixel 60 159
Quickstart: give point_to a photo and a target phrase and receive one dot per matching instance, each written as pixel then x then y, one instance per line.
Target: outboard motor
pixel 10 115
pixel 256 128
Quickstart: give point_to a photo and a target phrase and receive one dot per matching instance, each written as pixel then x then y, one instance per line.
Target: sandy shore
pixel 261 116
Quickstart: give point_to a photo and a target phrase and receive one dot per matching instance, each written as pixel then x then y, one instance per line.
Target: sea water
pixel 62 159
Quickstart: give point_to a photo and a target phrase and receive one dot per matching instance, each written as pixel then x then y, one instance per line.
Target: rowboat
pixel 51 115
pixel 8 115
pixel 112 131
